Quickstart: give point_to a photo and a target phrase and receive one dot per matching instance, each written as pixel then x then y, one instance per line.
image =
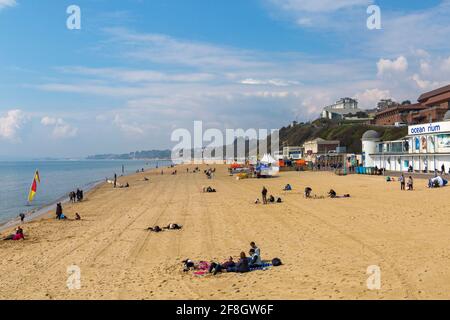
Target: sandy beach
pixel 326 245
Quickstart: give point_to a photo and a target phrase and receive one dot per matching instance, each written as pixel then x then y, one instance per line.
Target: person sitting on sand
pixel 308 191
pixel 279 200
pixel 332 193
pixel 16 236
pixel 155 229
pixel 287 187
pixel 241 266
pixel 77 216
pixel 257 201
pixel 271 199
pixel 255 259
pixel 256 248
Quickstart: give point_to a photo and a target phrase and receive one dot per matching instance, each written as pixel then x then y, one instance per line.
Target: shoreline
pixel 47 208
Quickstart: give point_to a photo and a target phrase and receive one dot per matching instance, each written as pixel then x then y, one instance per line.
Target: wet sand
pixel 326 245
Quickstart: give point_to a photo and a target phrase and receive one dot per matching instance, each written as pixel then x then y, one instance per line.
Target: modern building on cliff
pixel 431 107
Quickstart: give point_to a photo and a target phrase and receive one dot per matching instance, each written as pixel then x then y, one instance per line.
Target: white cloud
pixel 11 123
pixel 318 5
pixel 127 128
pixel 274 82
pixel 369 98
pixel 386 66
pixel 7 3
pixel 61 129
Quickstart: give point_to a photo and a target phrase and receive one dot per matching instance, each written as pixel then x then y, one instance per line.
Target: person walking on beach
pixel 443 169
pixel 115 180
pixel 264 195
pixel 402 182
pixel 22 217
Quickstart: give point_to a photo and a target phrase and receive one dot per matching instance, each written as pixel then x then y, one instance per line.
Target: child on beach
pixel 410 184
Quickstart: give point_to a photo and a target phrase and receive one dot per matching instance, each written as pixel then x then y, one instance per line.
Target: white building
pixel 425 149
pixel 342 109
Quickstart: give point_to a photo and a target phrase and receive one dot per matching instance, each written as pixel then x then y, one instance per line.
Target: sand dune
pixel 325 244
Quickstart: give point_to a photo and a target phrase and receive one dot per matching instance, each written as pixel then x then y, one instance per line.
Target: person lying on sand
pixel 257 201
pixel 188 265
pixel 208 189
pixel 16 236
pixel 173 226
pixel 155 229
pixel 332 194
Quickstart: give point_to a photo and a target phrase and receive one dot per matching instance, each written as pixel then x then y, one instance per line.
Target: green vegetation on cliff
pixel 348 133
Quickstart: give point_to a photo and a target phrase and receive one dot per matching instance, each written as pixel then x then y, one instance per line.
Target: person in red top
pixel 17 236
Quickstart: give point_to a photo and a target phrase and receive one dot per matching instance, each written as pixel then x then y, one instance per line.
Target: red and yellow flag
pixel 33 188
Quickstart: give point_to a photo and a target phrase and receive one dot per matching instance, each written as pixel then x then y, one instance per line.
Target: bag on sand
pixel 276 262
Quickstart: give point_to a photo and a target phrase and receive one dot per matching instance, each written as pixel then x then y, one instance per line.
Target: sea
pixel 58 178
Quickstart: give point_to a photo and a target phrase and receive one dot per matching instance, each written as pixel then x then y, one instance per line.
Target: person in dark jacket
pixel 242 265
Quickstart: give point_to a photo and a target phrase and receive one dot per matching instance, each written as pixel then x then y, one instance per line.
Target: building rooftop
pixel 433 93
pixel 371 135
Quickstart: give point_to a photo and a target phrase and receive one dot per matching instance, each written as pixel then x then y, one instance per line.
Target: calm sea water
pixel 58 178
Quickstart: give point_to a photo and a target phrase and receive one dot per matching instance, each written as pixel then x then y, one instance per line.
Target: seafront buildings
pixel 430 107
pixel 425 149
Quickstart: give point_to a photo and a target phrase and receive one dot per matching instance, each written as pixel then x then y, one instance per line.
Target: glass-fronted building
pixel 425 149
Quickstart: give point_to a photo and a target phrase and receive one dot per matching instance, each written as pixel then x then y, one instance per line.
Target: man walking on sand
pixel 402 182
pixel 264 195
pixel 115 180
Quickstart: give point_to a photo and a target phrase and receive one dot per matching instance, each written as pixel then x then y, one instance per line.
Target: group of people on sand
pixel 242 265
pixel 331 194
pixel 75 196
pixel 267 200
pixel 170 226
pixel 406 183
pixel 60 215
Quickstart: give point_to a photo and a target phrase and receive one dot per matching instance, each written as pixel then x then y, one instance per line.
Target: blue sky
pixel 138 69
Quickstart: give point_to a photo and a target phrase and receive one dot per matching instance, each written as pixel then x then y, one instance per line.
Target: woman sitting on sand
pixel 287 187
pixel 241 266
pixel 17 236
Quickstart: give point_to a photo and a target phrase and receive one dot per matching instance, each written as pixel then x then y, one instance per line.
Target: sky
pixel 139 69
